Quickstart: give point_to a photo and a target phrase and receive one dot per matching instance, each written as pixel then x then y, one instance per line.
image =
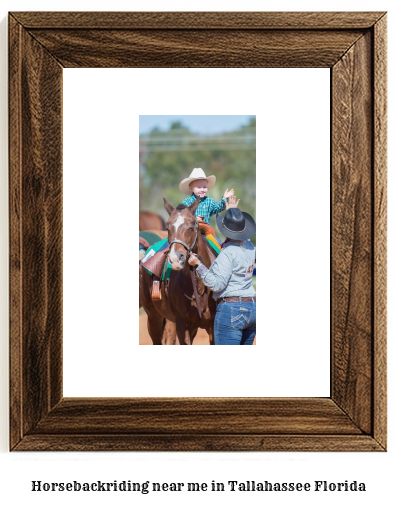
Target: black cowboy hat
pixel 236 224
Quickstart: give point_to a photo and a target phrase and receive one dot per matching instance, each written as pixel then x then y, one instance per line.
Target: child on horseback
pixel 197 185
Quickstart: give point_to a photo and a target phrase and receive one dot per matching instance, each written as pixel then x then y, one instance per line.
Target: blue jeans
pixel 235 323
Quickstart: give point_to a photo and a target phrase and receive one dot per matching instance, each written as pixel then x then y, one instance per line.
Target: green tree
pixel 169 156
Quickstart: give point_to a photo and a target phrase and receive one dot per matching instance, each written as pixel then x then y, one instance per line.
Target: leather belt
pixel 236 299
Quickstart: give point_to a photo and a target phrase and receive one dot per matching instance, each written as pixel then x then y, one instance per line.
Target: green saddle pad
pixel 153 249
pixel 150 237
pixel 162 245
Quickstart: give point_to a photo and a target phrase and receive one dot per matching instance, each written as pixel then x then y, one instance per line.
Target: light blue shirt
pixel 231 272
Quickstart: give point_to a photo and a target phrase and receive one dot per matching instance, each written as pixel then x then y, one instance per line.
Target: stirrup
pixel 156 289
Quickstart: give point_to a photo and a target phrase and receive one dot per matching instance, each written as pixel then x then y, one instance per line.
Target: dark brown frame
pixel 353 45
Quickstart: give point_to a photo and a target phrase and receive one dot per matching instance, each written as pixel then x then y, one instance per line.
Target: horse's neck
pixel 204 250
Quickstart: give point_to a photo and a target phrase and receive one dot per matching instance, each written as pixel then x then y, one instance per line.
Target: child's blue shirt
pixel 207 206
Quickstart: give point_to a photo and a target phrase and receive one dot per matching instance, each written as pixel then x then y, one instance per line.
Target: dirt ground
pixel 144 338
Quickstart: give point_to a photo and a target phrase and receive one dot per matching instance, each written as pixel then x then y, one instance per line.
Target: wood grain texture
pixel 15 231
pixel 200 20
pixel 380 229
pixel 202 416
pixel 36 241
pixel 196 48
pixel 204 443
pixel 352 233
pixel 354 44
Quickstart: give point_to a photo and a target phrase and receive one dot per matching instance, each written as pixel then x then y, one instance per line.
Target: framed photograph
pixel 183 158
pixel 352 46
pixel 98 218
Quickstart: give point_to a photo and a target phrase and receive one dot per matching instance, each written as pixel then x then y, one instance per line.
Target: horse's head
pixel 182 230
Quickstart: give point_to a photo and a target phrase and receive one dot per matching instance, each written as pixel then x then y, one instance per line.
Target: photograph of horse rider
pixel 230 279
pixel 196 186
pixel 201 162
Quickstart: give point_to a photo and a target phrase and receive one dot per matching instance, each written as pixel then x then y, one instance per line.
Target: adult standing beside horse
pixel 230 278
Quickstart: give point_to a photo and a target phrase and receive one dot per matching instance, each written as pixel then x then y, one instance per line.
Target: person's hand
pixel 194 260
pixel 228 193
pixel 232 203
pixel 200 219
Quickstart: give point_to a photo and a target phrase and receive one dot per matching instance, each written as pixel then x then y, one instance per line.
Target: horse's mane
pixel 180 207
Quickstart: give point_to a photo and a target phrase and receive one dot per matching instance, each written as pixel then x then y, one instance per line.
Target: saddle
pixel 206 229
pixel 143 242
pixel 156 266
pixel 156 263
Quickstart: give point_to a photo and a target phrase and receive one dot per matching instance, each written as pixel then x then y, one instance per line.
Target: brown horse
pixel 177 304
pixel 162 329
pixel 149 220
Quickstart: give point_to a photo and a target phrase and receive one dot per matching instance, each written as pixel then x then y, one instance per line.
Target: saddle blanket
pixel 163 245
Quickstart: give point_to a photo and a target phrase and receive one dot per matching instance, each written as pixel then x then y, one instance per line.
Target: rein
pixel 194 282
pixel 196 294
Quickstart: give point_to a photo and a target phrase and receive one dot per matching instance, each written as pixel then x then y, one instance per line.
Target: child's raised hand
pixel 228 193
pixel 232 203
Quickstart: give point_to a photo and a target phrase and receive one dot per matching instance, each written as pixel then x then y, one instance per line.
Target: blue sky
pixel 201 124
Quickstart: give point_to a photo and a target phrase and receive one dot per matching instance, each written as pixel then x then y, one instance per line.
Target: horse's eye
pixel 191 229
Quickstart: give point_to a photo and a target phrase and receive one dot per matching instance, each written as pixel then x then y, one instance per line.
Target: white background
pixel 102 356
pixel 376 469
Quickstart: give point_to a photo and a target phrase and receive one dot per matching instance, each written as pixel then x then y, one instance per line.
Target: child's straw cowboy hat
pixel 196 174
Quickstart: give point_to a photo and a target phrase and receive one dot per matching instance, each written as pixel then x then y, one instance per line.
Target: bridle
pixel 194 282
pixel 188 248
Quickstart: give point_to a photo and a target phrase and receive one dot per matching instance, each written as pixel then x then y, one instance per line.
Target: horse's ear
pixel 168 206
pixel 193 207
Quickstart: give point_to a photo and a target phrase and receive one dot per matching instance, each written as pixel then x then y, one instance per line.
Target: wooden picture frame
pixel 353 46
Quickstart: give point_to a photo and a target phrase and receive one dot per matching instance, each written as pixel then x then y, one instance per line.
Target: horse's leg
pixel 155 325
pixel 169 333
pixel 193 333
pixel 210 332
pixel 182 332
pixel 188 338
pixel 155 321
